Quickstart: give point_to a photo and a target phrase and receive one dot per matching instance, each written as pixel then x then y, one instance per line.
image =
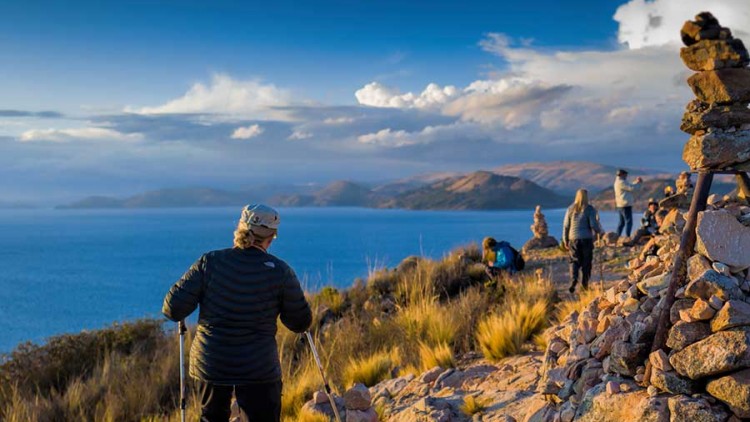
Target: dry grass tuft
pixel 504 334
pixel 578 303
pixel 473 405
pixel 371 369
pixel 440 355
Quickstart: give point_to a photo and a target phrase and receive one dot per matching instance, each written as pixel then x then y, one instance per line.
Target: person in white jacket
pixel 624 200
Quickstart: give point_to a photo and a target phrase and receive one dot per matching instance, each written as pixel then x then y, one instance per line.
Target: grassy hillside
pixel 404 320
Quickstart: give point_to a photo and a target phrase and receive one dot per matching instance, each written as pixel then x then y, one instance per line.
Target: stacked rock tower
pixel 719 118
pixel 672 341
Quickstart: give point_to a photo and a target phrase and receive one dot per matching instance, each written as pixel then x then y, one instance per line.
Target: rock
pixel 722 85
pixel 631 404
pixel 660 360
pixel 443 376
pixel 721 352
pixel 626 357
pixel 687 316
pixel 717 149
pixel 368 415
pixel 431 375
pixel 701 310
pixel 715 302
pixel 613 387
pixel 712 283
pixel 619 331
pixel 734 390
pixel 540 243
pixel 671 382
pixel 683 334
pixel 722 269
pixel 679 304
pixel 722 238
pixel 683 409
pixel 654 283
pixel 715 54
pixel 357 398
pixel 705 27
pixel 630 305
pixel 735 313
pixel 697 265
pixel 320 397
pixel 700 116
pixel 539 411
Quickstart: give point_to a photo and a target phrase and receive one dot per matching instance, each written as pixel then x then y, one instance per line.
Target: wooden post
pixel 743 186
pixel 687 245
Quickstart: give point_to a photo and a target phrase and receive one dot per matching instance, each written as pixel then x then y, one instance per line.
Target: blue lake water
pixel 64 271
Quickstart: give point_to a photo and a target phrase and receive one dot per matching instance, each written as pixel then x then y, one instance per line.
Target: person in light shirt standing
pixel 624 200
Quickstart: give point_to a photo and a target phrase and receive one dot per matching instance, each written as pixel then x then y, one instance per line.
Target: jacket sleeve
pixel 183 297
pixel 594 221
pixel 566 227
pixel 627 186
pixel 295 311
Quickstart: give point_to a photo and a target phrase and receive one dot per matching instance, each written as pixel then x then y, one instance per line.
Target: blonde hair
pixel 245 238
pixel 581 201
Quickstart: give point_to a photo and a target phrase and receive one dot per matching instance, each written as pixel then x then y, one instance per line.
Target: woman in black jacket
pixel 241 292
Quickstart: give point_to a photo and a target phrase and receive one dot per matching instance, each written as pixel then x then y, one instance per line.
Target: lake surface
pixel 68 270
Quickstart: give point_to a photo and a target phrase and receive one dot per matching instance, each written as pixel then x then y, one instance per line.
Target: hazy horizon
pixel 126 98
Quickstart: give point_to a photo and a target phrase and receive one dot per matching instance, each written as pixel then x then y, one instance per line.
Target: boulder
pixel 683 334
pixel 660 360
pixel 632 404
pixel 721 85
pixel 715 54
pixel 734 390
pixel 711 283
pixel 540 243
pixel 672 382
pixel 718 353
pixel 735 313
pixel 704 27
pixel 654 284
pixel 702 311
pixel 717 149
pixel 357 398
pixel 602 345
pixel 679 305
pixel 683 409
pixel 697 265
pixel 720 237
pixel 368 415
pixel 625 357
pixel 700 116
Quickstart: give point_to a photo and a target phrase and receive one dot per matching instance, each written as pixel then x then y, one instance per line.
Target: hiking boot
pixel 572 289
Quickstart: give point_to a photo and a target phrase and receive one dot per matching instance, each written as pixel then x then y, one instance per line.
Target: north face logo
pixel 269 264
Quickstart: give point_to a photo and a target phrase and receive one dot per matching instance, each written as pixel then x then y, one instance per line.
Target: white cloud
pixel 652 23
pixel 299 135
pixel 225 95
pixel 85 133
pixel 247 132
pixel 430 134
pixel 376 95
pixel 338 120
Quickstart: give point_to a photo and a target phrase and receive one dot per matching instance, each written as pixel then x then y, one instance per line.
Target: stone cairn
pixel 595 365
pixel 541 239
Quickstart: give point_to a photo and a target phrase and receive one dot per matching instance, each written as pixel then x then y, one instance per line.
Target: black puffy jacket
pixel 241 293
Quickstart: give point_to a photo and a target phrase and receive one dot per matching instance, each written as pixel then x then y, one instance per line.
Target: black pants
pixel 626 220
pixel 259 402
pixel 581 259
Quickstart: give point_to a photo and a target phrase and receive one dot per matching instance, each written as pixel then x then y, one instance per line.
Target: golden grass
pixel 578 303
pixel 440 355
pixel 372 369
pixel 309 416
pixel 504 334
pixel 299 388
pixel 473 405
pixel 426 320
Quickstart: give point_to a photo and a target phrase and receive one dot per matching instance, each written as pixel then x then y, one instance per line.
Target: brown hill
pixel 481 190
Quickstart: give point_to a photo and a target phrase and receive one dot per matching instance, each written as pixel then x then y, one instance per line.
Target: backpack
pixel 505 257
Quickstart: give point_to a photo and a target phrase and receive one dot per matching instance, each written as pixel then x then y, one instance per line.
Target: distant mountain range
pixel 507 187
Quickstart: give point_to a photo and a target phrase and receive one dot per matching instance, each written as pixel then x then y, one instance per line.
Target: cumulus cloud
pixel 84 133
pixel 338 120
pixel 645 23
pixel 225 95
pixel 247 132
pixel 376 95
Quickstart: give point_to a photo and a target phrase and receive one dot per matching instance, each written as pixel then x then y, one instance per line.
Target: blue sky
pixel 143 95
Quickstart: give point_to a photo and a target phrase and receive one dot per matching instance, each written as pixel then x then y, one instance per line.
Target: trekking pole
pixel 323 375
pixel 182 328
